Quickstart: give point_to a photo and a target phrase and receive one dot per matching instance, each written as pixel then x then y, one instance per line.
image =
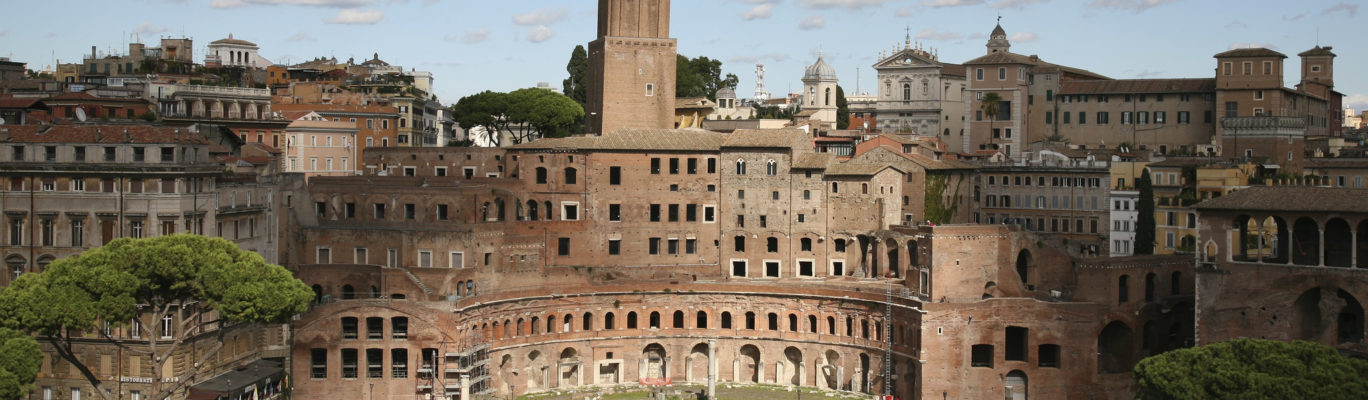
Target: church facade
pixel 920 96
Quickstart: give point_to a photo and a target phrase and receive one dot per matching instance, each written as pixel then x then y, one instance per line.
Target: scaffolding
pixel 455 371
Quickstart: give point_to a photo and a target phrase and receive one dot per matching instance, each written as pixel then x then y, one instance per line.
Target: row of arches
pixel 1306 241
pixel 830 369
pixel 349 292
pixel 850 326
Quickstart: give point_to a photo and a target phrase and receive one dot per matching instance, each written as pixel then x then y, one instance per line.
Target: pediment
pixel 907 58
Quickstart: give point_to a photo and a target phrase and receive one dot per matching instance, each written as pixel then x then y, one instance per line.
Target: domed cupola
pixel 997 41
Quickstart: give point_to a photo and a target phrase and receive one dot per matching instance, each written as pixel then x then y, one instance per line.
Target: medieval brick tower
pixel 631 67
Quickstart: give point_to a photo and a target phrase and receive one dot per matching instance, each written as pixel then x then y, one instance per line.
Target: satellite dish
pixel 2 121
pixel 80 115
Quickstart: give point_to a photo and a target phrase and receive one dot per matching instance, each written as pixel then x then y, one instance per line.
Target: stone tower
pixel 631 67
pixel 819 92
pixel 1318 71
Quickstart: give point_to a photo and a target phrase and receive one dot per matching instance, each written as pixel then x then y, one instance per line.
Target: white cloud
pixel 935 34
pixel 1129 5
pixel 759 12
pixel 313 3
pixel 1023 37
pixel 353 16
pixel 1236 24
pixel 542 16
pixel 1017 4
pixel 146 28
pixel 1293 17
pixel 776 57
pixel 1351 9
pixel 949 3
pixel 1358 102
pixel 475 36
pixel 540 34
pixel 301 37
pixel 903 12
pixel 848 4
pixel 812 22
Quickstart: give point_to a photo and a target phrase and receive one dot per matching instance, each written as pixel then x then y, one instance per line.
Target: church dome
pixel 726 93
pixel 820 71
pixel 231 40
pixel 998 32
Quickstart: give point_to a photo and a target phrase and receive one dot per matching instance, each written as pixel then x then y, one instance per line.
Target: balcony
pixel 1263 126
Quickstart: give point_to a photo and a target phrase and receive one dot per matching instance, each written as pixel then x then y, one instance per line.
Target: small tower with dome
pixel 819 92
pixel 997 41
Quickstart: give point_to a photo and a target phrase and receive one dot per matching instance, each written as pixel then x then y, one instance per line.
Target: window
pixel 379 210
pixel 978 74
pixel 1247 68
pixel 739 244
pixel 691 213
pixel 541 176
pixel 563 246
pixel 135 229
pixel 569 211
pixel 1048 356
pixel 709 214
pixel 690 246
pixel 570 176
pixel 1002 73
pixel 650 89
pixel 614 247
pixel 77 233
pixel 615 175
pixel 692 166
pixel 981 355
pixel 673 213
pixel 442 213
pixel 654 213
pixel 771 168
pixel 398 357
pixel 349 363
pixel 772 269
pixel 168 327
pixel 653 246
pixel 425 258
pixel 1017 343
pixel 740 167
pixel 615 212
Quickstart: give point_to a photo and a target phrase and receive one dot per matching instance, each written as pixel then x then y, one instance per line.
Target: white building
pixel 819 92
pixel 1123 219
pixel 1352 120
pixel 920 96
pixel 232 52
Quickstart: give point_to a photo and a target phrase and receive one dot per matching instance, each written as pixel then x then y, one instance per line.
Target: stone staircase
pixel 418 282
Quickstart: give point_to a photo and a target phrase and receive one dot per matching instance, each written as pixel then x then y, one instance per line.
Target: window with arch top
pixel 907 91
pixel 771 168
pixel 740 167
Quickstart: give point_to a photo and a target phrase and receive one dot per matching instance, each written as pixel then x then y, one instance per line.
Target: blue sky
pixel 474 45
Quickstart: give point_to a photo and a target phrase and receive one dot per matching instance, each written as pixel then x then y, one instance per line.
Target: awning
pixel 261 377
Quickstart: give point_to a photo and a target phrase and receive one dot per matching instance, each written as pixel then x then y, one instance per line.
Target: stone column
pixel 688 368
pixel 857 385
pixel 840 376
pixel 712 369
pixel 779 372
pixel 465 386
pixel 736 370
pixel 802 376
pixel 1353 249
pixel 1321 259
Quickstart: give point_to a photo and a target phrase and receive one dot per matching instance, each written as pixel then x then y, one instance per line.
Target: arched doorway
pixel 748 367
pixel 1015 385
pixel 536 370
pixel 569 374
pixel 697 368
pixel 864 374
pixel 1305 242
pixel 1114 348
pixel 1329 318
pixel 793 366
pixel 831 370
pixel 892 248
pixel 654 362
pixel 1339 244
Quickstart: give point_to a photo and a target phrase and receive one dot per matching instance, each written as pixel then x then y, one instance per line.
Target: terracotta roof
pixel 112 134
pixel 1291 199
pixel 1013 58
pixel 18 102
pixel 1199 85
pixel 952 69
pixel 634 139
pixel 339 108
pixel 1317 51
pixel 1328 163
pixel 812 161
pixel 851 168
pixel 1254 52
pixel 766 138
pixel 694 102
pixel 265 148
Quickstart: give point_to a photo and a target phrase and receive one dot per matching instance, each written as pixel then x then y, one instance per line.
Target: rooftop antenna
pixel 907 42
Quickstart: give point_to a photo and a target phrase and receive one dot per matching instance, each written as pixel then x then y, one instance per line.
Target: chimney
pixel 92 52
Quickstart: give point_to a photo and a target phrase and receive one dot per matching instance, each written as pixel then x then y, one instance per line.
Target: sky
pixel 476 45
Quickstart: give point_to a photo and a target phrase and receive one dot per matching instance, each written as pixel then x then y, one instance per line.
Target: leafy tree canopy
pixel 576 86
pixel 700 77
pixel 151 277
pixel 19 365
pixel 1253 369
pixel 524 114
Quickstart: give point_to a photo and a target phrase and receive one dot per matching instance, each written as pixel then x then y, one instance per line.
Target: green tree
pixel 19 366
pixel 842 109
pixel 524 115
pixel 989 105
pixel 700 77
pixel 483 111
pixel 576 86
pixel 202 284
pixel 1144 223
pixel 1252 369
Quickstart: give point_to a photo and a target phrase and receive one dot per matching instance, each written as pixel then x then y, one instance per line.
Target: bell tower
pixel 631 67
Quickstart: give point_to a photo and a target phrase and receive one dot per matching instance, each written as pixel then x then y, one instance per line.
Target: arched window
pixel 771 168
pixel 907 91
pixel 608 321
pixel 828 97
pixel 678 320
pixel 726 320
pixel 835 188
pixel 569 176
pixel 773 320
pixel 740 167
pixel 750 320
pixel 812 323
pixel 864 188
pixel 702 322
pixel 793 322
pixel 631 320
pixel 588 322
pixel 831 325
